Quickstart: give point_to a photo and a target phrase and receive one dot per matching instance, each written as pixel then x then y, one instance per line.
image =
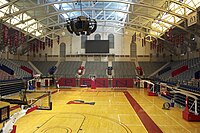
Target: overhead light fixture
pixel 81 25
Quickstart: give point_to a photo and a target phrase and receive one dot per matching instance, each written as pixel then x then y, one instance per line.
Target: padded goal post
pixel 39 98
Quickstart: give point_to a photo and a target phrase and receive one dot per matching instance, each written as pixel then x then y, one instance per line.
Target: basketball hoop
pixel 163 90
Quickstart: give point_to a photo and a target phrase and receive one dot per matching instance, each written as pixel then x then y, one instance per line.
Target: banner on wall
pixel 142 42
pixel 40 44
pixel 51 43
pixel 43 43
pixel 5 35
pixel 16 38
pixel 58 40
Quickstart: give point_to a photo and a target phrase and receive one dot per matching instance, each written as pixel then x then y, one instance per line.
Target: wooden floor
pixel 112 113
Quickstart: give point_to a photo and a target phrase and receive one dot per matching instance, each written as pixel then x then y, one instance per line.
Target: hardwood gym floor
pixel 112 113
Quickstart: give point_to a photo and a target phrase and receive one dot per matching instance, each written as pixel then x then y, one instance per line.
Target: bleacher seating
pixel 124 69
pixel 165 76
pixel 7 69
pixel 184 77
pixel 5 76
pixel 179 70
pixel 187 75
pixel 68 69
pixel 44 66
pixel 96 68
pixel 18 73
pixel 24 63
pixel 180 99
pixel 150 67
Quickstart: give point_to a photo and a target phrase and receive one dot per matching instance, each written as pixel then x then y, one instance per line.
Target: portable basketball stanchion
pixel 150 86
pixel 187 115
pixel 93 85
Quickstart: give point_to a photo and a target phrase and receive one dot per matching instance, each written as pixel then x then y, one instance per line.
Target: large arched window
pixel 83 40
pixel 62 50
pixel 97 37
pixel 111 40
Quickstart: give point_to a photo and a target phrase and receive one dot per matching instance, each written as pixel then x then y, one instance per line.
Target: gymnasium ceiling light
pixel 81 25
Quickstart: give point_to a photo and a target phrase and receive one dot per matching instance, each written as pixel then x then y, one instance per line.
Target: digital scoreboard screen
pixel 97 46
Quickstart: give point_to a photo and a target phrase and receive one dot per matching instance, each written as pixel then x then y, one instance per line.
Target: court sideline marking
pixel 148 123
pixel 168 115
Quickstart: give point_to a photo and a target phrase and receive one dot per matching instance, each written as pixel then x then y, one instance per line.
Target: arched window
pixel 83 40
pixel 62 50
pixel 111 40
pixel 97 37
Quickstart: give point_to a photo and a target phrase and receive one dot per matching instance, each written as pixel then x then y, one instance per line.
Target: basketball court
pixel 99 66
pixel 112 112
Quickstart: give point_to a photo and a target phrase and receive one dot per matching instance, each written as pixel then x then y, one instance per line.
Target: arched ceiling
pixel 42 18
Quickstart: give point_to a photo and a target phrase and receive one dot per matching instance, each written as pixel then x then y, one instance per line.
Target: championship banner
pixel 173 41
pixel 30 47
pixel 1 33
pixel 144 41
pixel 11 37
pixel 181 39
pixel 151 45
pixel 170 34
pixel 23 38
pixel 16 41
pixel 157 49
pixel 162 49
pixel 33 46
pixel 46 41
pixel 154 43
pixel 51 43
pixel 9 40
pixel 177 41
pixel 19 38
pixel 37 46
pixel 58 40
pixel 43 43
pixel 5 35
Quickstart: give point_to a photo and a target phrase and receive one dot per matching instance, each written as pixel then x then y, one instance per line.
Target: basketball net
pixel 163 90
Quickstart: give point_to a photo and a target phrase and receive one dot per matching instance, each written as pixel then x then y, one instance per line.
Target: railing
pixel 180 97
pixel 11 86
